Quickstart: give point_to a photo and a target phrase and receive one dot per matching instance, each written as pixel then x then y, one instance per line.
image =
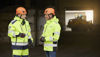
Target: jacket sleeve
pixel 56 33
pixel 12 31
pixel 29 33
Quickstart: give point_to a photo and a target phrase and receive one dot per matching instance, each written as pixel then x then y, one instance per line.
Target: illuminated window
pixel 89 15
pixel 75 14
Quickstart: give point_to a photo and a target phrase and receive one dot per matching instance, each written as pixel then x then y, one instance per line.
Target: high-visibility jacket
pixel 15 27
pixel 51 33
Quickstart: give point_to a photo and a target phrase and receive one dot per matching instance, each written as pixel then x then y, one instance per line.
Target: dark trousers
pixel 50 53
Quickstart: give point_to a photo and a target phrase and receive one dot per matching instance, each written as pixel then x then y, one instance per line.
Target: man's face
pixel 48 16
pixel 23 16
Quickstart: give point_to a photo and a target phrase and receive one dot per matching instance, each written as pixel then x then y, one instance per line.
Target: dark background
pixel 71 44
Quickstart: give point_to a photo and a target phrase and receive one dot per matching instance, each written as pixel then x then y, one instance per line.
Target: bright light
pixel 86 15
pixel 89 15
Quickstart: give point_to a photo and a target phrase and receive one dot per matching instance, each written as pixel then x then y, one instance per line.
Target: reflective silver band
pixel 51 38
pixel 12 32
pixel 58 33
pixel 29 31
pixel 29 37
pixel 53 45
pixel 20 44
pixel 43 30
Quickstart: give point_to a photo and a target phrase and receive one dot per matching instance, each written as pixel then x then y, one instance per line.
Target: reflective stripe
pixel 29 37
pixel 58 33
pixel 29 31
pixel 20 44
pixel 26 34
pixel 51 38
pixel 12 32
pixel 43 30
pixel 53 45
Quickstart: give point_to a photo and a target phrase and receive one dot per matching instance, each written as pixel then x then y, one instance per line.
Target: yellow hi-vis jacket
pixel 15 27
pixel 51 33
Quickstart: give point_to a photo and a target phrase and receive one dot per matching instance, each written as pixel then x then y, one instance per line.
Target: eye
pixel 23 11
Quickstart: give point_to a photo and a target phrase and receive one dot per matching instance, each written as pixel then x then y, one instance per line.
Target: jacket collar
pixel 54 19
pixel 17 18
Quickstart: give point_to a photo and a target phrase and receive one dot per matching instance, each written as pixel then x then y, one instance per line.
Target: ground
pixel 71 44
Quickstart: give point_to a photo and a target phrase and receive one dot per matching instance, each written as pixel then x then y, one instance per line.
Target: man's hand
pixel 29 41
pixel 30 44
pixel 42 39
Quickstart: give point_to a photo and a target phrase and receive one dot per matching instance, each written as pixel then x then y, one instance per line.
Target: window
pixel 71 15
